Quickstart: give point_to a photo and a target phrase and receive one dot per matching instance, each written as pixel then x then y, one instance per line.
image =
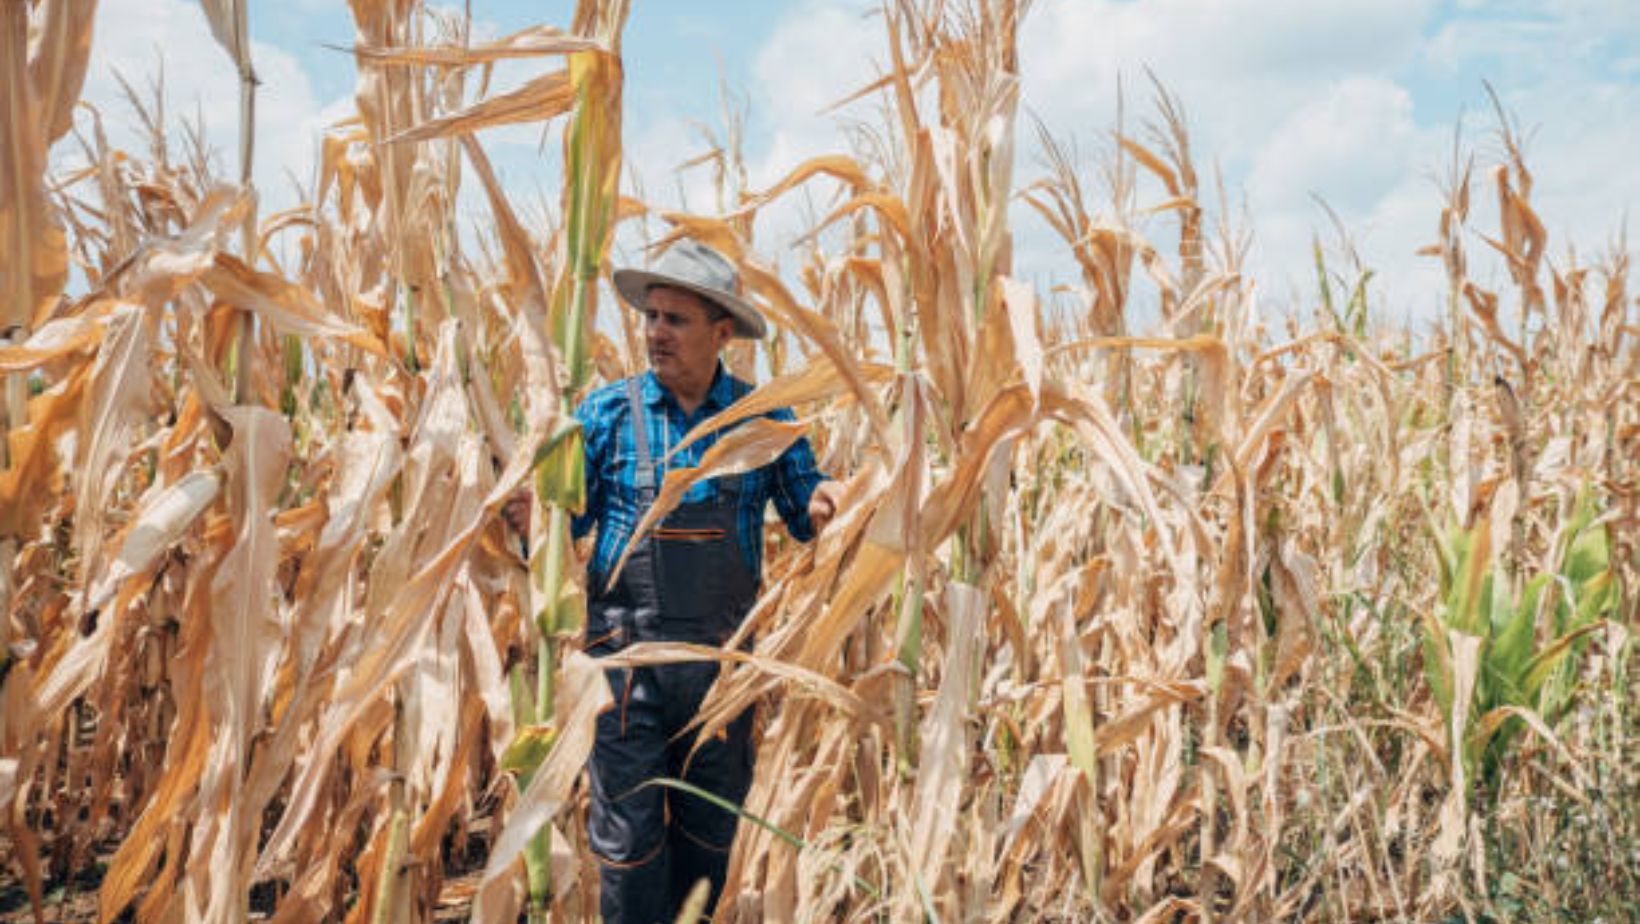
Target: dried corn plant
pixel 1210 623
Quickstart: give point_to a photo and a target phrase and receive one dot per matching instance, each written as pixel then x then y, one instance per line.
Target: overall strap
pixel 642 574
pixel 645 482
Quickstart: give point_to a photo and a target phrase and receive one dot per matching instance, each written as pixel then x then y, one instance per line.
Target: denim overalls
pixel 685 582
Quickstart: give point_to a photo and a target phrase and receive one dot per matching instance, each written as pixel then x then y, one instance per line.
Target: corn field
pixel 1223 619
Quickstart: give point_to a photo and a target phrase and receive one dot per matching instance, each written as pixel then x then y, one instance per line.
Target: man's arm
pixel 804 496
pixel 823 503
pixel 594 438
pixel 595 434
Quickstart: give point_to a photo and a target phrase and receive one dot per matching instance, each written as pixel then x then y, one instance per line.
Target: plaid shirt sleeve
pixel 795 477
pixel 597 417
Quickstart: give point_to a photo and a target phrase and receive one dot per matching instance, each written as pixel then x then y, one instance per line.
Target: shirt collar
pixel 719 396
pixel 722 392
pixel 653 392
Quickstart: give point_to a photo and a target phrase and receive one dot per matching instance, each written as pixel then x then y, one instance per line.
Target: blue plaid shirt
pixel 612 465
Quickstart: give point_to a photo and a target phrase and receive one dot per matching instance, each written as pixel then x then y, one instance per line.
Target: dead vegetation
pixel 1217 622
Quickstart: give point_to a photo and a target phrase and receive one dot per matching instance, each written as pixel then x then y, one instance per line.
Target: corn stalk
pixel 592 167
pixel 267 655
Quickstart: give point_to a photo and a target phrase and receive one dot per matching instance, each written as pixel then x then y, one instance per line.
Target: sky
pixel 1355 103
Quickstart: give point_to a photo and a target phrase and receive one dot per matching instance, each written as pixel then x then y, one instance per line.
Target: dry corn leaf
pixel 1126 727
pixel 1042 774
pixel 1152 163
pixel 889 208
pixel 1489 723
pixel 163 267
pixel 1094 423
pixel 942 766
pixel 1007 416
pixel 1019 301
pixel 534 41
pixel 1464 650
pixel 118 401
pixel 822 332
pixel 33 248
pixel 525 286
pixel 713 232
pixel 162 515
pixel 752 445
pixel 818 381
pixel 1293 584
pixel 247 631
pixel 844 169
pixel 486 674
pixel 648 654
pixel 405 617
pixel 290 308
pixel 28 484
pixel 539 99
pixel 130 871
pixel 58 57
pixel 228 26
pixel 54 340
pixel 447 721
pixel 1266 421
pixel 583 694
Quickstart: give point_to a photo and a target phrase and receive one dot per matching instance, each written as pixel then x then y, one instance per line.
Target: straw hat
pixel 695 267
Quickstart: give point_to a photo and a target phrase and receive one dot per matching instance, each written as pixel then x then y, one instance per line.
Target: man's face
pixel 682 336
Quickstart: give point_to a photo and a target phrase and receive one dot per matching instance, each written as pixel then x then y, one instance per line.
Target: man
pixel 693 579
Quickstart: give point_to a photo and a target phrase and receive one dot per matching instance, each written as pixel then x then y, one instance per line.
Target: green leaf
pixel 569 613
pixel 523 701
pixel 1356 310
pixel 1218 649
pixel 528 749
pixel 560 469
pixel 1514 630
pixel 1437 663
pixel 1587 557
pixel 769 826
pixel 1324 284
pixel 1545 661
pixel 1596 599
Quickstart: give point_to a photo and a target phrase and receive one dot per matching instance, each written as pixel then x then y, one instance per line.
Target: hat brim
pixel 634 284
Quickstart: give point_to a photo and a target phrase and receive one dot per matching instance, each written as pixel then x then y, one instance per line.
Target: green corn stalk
pixel 1084 755
pixel 908 630
pixel 592 164
pixel 908 641
pixel 1563 606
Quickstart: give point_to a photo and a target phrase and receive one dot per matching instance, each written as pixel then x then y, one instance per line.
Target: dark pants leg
pixel 701 833
pixel 626 826
pixel 653 844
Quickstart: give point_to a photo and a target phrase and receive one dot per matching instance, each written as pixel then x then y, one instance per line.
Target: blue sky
pixel 1351 100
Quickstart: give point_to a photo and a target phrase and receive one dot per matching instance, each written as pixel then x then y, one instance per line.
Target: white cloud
pixel 1354 102
pixel 140 38
pixel 1239 67
pixel 1356 147
pixel 819 54
pixel 1278 89
pixel 1534 37
pixel 1351 142
pixel 1565 71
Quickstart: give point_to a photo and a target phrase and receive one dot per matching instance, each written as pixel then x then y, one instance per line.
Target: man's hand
pixel 516 511
pixel 823 504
